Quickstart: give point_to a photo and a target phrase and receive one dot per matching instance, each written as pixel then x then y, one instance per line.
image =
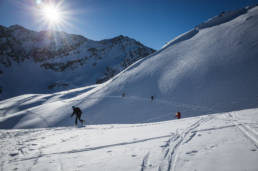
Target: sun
pixel 51 14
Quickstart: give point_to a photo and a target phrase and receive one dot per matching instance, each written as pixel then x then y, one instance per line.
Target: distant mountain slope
pixel 36 62
pixel 214 70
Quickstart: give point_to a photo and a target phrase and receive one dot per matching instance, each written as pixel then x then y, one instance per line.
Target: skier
pixel 77 111
pixel 152 98
pixel 178 115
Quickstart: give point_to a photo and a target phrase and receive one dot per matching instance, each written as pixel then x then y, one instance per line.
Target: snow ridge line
pixel 222 18
pixel 177 140
pixel 249 133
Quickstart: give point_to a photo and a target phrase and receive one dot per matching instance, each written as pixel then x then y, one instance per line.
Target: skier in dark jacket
pixel 77 111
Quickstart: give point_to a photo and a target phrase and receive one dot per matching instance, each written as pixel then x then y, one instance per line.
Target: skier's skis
pixel 83 124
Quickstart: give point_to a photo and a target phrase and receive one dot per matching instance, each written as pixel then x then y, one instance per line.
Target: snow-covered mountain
pixel 210 69
pixel 48 61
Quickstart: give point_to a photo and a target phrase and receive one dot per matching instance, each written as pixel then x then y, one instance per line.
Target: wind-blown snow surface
pixel 224 142
pixel 212 71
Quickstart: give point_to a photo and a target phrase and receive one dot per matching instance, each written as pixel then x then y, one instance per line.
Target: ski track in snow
pixel 2 166
pixel 180 139
pixel 248 132
pixel 145 161
pixel 172 146
pixel 35 161
pixel 36 158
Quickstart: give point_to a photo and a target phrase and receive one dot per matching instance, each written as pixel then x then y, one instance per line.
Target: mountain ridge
pixel 53 52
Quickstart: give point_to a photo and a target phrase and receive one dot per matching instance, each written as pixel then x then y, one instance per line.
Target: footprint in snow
pixel 253 149
pixel 164 146
pixel 13 154
pixel 133 155
pixel 191 152
pixel 213 146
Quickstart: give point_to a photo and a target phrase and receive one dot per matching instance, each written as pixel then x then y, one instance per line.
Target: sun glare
pixel 51 14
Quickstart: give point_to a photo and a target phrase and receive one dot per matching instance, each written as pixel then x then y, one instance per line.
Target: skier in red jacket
pixel 178 115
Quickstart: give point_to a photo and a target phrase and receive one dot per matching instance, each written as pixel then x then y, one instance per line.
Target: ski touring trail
pixel 172 146
pixel 250 133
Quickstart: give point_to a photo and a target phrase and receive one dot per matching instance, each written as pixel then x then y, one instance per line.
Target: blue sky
pixel 152 22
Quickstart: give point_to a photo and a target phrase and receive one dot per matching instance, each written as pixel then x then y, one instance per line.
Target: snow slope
pixel 224 142
pixel 212 71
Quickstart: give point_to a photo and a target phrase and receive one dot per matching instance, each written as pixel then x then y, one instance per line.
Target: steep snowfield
pixel 224 142
pixel 212 71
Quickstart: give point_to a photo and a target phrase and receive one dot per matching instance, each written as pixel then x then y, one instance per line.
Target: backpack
pixel 78 111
